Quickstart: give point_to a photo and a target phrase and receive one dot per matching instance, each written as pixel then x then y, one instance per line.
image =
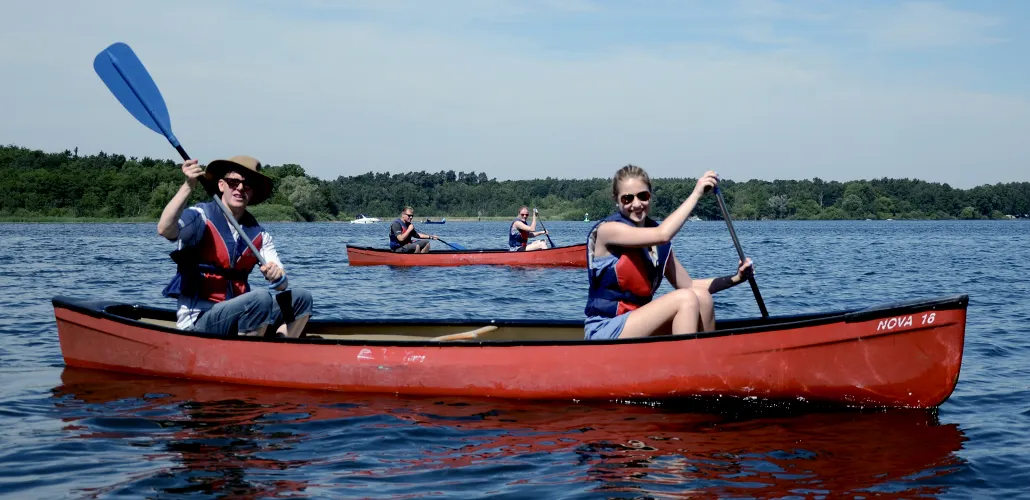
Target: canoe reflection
pixel 222 437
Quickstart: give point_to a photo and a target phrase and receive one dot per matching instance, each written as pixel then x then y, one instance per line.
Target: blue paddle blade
pixel 131 84
pixel 453 245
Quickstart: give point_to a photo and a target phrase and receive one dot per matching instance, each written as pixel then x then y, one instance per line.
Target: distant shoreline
pixel 147 220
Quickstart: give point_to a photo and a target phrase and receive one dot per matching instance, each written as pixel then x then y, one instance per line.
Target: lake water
pixel 81 433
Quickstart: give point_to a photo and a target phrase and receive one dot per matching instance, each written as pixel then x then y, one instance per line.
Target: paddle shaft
pixel 740 252
pixel 548 235
pixel 178 147
pixel 450 245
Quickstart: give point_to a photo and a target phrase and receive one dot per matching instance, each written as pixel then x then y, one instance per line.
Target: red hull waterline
pixel 568 256
pixel 902 355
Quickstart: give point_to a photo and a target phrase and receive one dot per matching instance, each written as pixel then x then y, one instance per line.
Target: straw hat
pixel 250 169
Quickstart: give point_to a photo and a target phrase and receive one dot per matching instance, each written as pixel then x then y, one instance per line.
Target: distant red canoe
pixel 568 256
pixel 899 355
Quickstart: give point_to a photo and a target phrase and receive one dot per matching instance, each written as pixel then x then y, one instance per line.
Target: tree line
pixel 37 184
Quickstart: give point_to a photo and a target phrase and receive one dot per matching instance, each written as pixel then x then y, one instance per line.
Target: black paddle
pixel 740 252
pixel 130 82
pixel 541 221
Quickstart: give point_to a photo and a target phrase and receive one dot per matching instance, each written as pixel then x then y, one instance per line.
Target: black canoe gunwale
pixel 462 252
pixel 129 314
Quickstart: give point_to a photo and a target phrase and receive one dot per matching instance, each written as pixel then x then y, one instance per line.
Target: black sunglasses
pixel 523 215
pixel 410 215
pixel 626 199
pixel 233 183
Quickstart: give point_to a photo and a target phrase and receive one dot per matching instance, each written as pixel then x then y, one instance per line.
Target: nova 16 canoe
pixel 567 256
pixel 905 354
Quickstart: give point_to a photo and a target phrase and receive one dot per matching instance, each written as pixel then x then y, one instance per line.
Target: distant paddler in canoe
pixel 519 233
pixel 628 254
pixel 403 234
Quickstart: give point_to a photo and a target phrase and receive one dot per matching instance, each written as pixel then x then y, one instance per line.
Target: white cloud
pixel 343 97
pixel 919 25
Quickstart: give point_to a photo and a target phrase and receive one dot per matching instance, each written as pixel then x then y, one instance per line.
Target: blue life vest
pixel 517 238
pixel 216 269
pixel 631 281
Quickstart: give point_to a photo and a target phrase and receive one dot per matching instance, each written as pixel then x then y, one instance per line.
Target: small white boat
pixel 364 219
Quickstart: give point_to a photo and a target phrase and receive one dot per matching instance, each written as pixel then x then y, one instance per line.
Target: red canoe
pixel 568 256
pixel 899 355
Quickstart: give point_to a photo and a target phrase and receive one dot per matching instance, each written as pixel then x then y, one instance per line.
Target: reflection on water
pixel 250 442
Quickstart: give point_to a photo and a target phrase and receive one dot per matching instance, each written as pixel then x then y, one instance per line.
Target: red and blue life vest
pixel 394 242
pixel 631 281
pixel 216 269
pixel 517 238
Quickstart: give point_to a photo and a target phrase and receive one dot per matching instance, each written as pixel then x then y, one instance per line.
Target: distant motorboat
pixel 694 218
pixel 430 221
pixel 364 219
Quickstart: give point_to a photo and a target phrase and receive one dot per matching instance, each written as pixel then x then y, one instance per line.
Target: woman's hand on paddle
pixel 191 169
pixel 272 272
pixel 745 270
pixel 706 183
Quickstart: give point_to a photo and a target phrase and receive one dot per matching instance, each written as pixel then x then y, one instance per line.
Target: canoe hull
pixel 568 256
pixel 907 357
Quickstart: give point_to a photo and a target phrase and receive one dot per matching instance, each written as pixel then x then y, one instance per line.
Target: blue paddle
pixel 546 233
pixel 740 251
pixel 130 82
pixel 452 245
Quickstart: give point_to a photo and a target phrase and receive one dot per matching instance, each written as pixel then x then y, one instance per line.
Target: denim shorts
pixel 602 328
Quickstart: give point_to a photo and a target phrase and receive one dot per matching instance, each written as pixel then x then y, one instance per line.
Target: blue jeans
pixel 250 312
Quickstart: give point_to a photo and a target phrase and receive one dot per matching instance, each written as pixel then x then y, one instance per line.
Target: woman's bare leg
pixel 707 308
pixel 675 312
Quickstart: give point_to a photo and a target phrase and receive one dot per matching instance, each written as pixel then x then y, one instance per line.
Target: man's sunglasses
pixel 234 183
pixel 523 215
pixel 410 215
pixel 626 199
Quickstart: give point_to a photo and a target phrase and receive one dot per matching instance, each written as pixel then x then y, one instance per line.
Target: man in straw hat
pixel 213 262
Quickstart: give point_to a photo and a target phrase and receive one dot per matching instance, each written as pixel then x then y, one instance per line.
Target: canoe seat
pixel 159 322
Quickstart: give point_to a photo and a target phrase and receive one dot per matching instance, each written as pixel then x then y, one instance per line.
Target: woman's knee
pixel 686 298
pixel 704 298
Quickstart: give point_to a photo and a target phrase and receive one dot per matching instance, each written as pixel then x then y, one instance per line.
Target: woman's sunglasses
pixel 626 199
pixel 234 183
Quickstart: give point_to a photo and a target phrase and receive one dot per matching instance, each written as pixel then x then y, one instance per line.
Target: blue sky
pixel 532 88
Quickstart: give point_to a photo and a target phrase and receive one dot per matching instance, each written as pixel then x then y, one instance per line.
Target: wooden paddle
pixel 469 335
pixel 740 252
pixel 130 82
